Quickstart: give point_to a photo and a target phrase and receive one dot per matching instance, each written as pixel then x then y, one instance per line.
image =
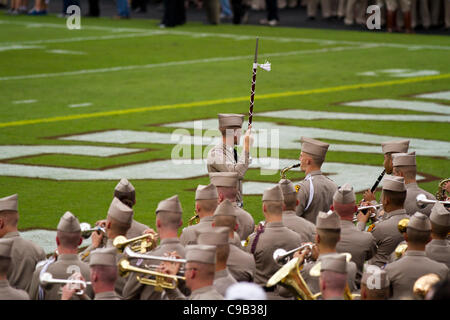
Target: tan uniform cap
pixel 171 204
pixel 68 223
pixel 5 247
pixel 103 257
pixel 345 194
pixel 440 215
pixel 377 280
pixel 224 179
pixel 328 220
pixel 208 192
pixel 314 147
pixel 9 203
pixel 273 194
pixel 124 186
pixel 395 146
pixel 336 263
pixel 230 120
pixel 225 208
pixel 404 159
pixel 394 183
pixel 201 253
pixel 216 237
pixel 419 222
pixel 120 212
pixel 287 187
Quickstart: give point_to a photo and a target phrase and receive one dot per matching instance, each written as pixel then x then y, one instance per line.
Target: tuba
pixel 289 276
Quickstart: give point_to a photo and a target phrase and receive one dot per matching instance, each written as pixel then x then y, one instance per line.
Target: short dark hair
pixel 106 274
pixel 396 198
pixel 329 237
pixel 69 239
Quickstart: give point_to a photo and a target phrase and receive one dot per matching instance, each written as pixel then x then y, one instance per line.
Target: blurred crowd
pixel 396 15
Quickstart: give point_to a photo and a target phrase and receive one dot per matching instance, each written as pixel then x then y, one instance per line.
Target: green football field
pixel 68 97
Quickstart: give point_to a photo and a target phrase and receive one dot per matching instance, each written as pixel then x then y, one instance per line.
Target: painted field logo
pixel 74 18
pixel 374 19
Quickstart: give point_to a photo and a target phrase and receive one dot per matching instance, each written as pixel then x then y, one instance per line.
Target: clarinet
pixel 375 185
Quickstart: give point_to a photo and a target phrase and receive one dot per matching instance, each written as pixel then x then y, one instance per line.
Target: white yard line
pixel 177 63
pixel 24 101
pixel 60 51
pixel 77 105
pixel 244 37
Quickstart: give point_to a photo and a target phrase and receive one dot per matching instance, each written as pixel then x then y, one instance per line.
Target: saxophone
pixel 441 194
pixel 286 169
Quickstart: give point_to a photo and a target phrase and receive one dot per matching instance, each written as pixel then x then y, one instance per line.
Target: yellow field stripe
pixel 222 101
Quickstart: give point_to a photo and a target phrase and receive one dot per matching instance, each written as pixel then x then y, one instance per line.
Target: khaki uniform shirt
pixel 438 250
pixel 246 223
pixel 221 159
pixel 136 229
pixel 108 295
pixel 275 236
pixel 205 293
pixel 24 257
pixel 133 288
pixel 9 293
pixel 313 282
pixel 324 189
pixel 62 268
pixel 361 245
pixel 387 236
pixel 120 282
pixel 223 280
pixel 189 234
pixel 404 272
pixel 411 207
pixel 305 228
pixel 241 264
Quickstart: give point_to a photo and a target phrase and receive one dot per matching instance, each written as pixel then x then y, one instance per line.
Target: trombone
pixel 46 278
pixel 161 280
pixel 282 256
pixel 422 201
pixel 138 244
pixel 86 230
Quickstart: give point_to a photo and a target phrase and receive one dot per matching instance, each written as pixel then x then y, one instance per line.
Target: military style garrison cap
pixel 440 215
pixel 328 220
pixel 224 179
pixel 314 147
pixel 394 183
pixel 9 203
pixel 171 204
pixel 380 279
pixel 230 120
pixel 395 146
pixel 201 253
pixel 5 247
pixel 68 223
pixel 287 187
pixel 273 194
pixel 216 237
pixel 419 222
pixel 120 212
pixel 345 194
pixel 104 257
pixel 208 192
pixel 337 263
pixel 404 159
pixel 124 188
pixel 225 208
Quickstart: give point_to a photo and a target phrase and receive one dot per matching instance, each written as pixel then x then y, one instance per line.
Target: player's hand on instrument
pixel 68 291
pixel 361 217
pixel 170 267
pixel 300 255
pixel 97 238
pixel 369 196
pixel 154 233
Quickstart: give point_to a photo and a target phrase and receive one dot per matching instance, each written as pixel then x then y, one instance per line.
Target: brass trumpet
pixel 282 256
pixel 401 247
pixel 86 230
pixel 46 278
pixel 362 208
pixel 422 201
pixel 139 244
